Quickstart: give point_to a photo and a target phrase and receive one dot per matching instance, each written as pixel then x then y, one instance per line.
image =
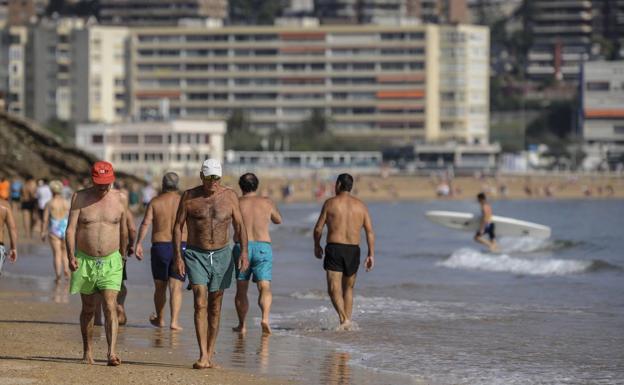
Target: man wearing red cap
pixel 96 237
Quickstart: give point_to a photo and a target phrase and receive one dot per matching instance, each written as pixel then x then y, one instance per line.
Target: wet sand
pixel 40 342
pixel 41 345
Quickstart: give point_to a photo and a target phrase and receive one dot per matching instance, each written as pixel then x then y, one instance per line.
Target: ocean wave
pixel 470 259
pixel 532 245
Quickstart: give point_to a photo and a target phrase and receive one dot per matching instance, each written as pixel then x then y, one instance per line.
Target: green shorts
pixel 213 268
pixel 97 273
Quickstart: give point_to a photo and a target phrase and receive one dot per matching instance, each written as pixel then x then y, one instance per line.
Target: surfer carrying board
pixel 486 226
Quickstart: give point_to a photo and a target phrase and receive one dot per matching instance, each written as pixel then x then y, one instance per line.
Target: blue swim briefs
pixel 163 261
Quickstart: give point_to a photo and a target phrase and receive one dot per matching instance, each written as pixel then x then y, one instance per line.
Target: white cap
pixel 211 167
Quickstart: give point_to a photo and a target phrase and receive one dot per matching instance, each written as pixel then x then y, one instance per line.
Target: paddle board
pixel 503 226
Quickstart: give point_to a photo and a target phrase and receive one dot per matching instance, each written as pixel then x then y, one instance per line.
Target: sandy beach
pixel 417 188
pixel 41 345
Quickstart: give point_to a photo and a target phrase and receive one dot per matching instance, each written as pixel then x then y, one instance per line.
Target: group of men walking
pixel 190 238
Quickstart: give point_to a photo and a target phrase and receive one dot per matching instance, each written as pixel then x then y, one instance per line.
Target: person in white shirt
pixel 43 196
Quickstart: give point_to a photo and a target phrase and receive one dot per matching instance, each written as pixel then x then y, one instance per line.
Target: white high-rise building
pixel 99 92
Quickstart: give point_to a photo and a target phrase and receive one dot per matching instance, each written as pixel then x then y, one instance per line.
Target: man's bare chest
pixel 202 209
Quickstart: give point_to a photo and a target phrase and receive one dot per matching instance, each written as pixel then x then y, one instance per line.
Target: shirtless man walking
pixel 207 211
pixel 96 237
pixel 257 213
pixel 345 216
pixel 486 226
pixel 6 219
pixel 161 215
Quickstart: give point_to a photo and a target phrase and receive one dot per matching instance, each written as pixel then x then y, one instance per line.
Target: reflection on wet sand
pixel 238 351
pixel 165 338
pixel 263 354
pixel 60 294
pixel 335 369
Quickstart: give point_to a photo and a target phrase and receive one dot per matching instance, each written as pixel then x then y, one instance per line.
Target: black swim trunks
pixel 343 258
pixel 489 230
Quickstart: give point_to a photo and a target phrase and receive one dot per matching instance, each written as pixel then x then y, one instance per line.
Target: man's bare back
pixel 5 211
pixel 161 213
pixel 345 216
pixel 28 190
pixel 257 214
pixel 98 221
pixel 208 218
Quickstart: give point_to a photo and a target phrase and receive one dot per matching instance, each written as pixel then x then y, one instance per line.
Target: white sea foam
pixel 470 259
pixel 523 244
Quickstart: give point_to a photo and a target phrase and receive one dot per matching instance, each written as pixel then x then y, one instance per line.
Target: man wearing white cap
pixel 208 210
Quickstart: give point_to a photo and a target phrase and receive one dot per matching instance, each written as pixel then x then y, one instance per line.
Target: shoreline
pixel 41 344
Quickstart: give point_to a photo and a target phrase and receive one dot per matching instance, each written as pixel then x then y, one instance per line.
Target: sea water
pixel 437 308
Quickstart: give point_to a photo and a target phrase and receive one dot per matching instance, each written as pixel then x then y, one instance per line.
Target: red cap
pixel 102 173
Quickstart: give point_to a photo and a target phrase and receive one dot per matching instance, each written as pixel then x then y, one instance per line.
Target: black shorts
pixel 489 230
pixel 28 205
pixel 343 258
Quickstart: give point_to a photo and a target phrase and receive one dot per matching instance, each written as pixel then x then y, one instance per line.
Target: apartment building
pixel 13 73
pixel 390 82
pixel 48 69
pixel 24 12
pixel 160 12
pixel 4 13
pixel 561 32
pixel 602 112
pixel 98 68
pixel 389 11
pixel 150 149
pixel 439 11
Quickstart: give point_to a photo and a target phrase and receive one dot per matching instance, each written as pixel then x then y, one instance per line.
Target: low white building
pixel 149 149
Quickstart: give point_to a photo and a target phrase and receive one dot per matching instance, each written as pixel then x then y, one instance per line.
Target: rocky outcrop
pixel 26 148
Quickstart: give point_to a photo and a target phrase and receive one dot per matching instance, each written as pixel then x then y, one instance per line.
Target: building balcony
pixel 563 29
pixel 541 70
pixel 580 16
pixel 541 56
pixel 561 4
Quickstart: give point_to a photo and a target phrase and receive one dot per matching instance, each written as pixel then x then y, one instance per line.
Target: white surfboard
pixel 503 226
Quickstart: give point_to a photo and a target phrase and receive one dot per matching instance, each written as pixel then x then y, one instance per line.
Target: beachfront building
pixel 602 113
pixel 98 69
pixel 13 74
pixel 455 155
pixel 393 83
pixel 49 72
pixel 567 33
pixel 160 12
pixel 561 34
pixel 391 11
pixel 298 163
pixel 152 148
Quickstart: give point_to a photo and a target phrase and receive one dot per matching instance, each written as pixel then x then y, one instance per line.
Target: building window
pixel 129 157
pixel 153 139
pixel 207 139
pixel 618 130
pixel 129 139
pixel 97 139
pixel 597 86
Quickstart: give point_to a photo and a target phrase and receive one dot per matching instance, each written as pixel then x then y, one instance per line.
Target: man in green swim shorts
pixel 208 210
pixel 95 234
